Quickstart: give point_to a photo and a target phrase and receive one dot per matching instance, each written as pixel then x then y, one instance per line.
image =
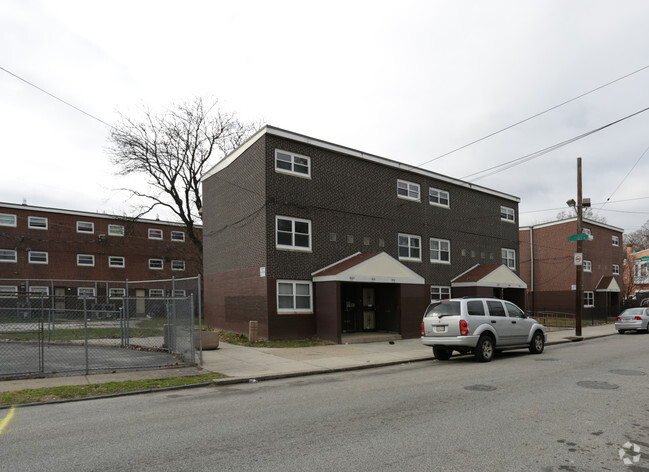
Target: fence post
pixel 85 328
pixel 41 338
pixel 191 334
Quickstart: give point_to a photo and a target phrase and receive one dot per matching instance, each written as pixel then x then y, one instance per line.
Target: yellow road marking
pixel 5 421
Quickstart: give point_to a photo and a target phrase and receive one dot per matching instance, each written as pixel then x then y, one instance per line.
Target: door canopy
pixel 489 275
pixel 376 267
pixel 608 284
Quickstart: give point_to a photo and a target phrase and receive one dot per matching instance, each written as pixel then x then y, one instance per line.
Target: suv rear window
pixel 443 309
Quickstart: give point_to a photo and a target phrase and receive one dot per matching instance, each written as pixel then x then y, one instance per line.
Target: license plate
pixel 627 321
pixel 439 329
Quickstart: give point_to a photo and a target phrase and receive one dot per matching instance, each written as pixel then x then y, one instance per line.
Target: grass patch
pixel 79 334
pixel 241 340
pixel 39 395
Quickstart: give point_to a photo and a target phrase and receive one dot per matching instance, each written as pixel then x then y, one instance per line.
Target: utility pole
pixel 580 289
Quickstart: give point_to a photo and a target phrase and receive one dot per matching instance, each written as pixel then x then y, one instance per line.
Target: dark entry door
pixel 369 309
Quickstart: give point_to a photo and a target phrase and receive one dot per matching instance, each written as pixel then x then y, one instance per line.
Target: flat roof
pixel 268 129
pixel 571 220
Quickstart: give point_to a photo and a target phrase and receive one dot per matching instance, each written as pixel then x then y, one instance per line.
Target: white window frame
pixel 589 296
pixel 507 214
pixel 79 258
pixel 177 264
pixel 116 292
pixel 586 231
pixel 293 163
pixel 39 290
pixel 8 219
pixel 292 247
pixel 440 251
pixel 616 269
pixel 440 195
pixel 8 255
pixel 178 236
pixel 37 222
pixel 153 262
pixel 587 266
pixel 405 189
pixel 410 246
pixel 294 295
pixel 8 291
pixel 33 260
pixel 153 231
pixel 157 292
pixel 86 227
pixel 116 230
pixel 113 262
pixel 615 240
pixel 444 292
pixel 507 256
pixel 179 293
pixel 89 291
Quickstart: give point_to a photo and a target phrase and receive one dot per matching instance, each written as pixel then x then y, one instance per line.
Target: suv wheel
pixel 484 351
pixel 537 344
pixel 442 353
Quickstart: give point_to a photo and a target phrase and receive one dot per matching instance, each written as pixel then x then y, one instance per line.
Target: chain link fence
pixel 64 332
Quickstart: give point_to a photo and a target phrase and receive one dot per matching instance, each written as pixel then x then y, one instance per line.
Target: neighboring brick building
pixel 636 273
pixel 71 252
pixel 548 267
pixel 312 238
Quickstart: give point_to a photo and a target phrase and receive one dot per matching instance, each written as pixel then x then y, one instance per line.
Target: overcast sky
pixel 406 80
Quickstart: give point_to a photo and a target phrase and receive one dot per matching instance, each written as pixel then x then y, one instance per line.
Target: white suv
pixel 479 325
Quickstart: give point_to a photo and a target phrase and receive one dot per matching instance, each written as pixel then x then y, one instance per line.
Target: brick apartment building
pixel 548 267
pixel 65 252
pixel 636 273
pixel 310 238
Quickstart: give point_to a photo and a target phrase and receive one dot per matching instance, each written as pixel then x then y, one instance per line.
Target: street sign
pixel 579 258
pixel 645 258
pixel 580 237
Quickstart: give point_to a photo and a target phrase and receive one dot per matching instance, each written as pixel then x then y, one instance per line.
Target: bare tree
pixel 586 213
pixel 638 239
pixel 173 150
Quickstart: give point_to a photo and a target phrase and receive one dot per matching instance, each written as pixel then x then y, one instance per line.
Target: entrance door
pixel 140 302
pixel 369 309
pixel 59 300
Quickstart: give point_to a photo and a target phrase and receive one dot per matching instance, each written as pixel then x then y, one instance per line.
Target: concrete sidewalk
pixel 244 364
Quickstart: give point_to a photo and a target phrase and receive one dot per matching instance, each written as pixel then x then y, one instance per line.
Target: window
pixel 615 240
pixel 39 290
pixel 514 311
pixel 293 233
pixel 7 220
pixel 85 227
pixel 156 292
pixel 290 163
pixel 177 265
pixel 179 293
pixel 616 269
pixel 438 197
pixel 587 266
pixel 85 260
pixel 439 293
pixel 177 236
pixel 115 230
pixel 8 291
pixel 589 299
pixel 440 250
pixel 509 258
pixel 475 308
pixel 408 190
pixel 155 233
pixel 496 308
pixel 409 247
pixel 116 261
pixel 8 255
pixel 37 257
pixel 294 297
pixel 156 264
pixel 507 214
pixel 85 292
pixel 586 231
pixel 37 222
pixel 116 292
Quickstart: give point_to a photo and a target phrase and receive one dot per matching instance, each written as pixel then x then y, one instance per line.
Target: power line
pixel 55 97
pixel 521 160
pixel 534 116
